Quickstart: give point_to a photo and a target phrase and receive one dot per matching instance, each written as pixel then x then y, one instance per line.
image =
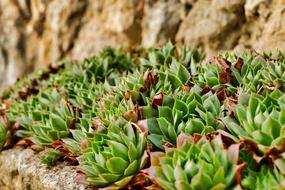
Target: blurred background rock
pixel 34 33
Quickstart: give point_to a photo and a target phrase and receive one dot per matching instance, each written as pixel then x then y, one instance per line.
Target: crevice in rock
pixel 39 24
pixel 78 14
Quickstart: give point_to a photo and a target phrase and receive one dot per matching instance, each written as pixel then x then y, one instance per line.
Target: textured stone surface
pixel 22 170
pixel 265 26
pixel 34 33
pixel 108 23
pixel 161 22
pixel 215 28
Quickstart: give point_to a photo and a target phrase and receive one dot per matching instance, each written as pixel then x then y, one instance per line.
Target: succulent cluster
pixel 115 157
pixel 162 118
pixel 204 164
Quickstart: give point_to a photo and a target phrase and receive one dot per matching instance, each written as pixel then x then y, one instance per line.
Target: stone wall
pixel 34 33
pixel 22 170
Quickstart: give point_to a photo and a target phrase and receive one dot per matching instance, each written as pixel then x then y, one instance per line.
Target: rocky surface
pixel 34 33
pixel 22 170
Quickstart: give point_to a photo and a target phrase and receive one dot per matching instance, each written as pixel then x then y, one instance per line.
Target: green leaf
pixel 57 123
pixel 156 140
pixel 219 176
pixel 233 127
pixel 280 163
pixel 116 165
pixel 164 125
pixel 179 173
pixel 168 172
pixel 219 186
pixel 262 138
pixel 180 105
pixel 153 127
pixel 108 177
pixel 201 181
pixel 183 73
pixel 190 168
pixel 50 156
pixel 37 115
pixel 181 185
pixel 98 168
pixel 53 135
pixel 3 135
pixel 88 170
pixel 207 152
pixel 160 178
pixel 132 152
pixel 72 145
pixel 132 168
pixel 118 149
pixel 271 127
pixel 253 105
pixel 175 81
pixel 148 112
pixel 165 112
pixel 195 125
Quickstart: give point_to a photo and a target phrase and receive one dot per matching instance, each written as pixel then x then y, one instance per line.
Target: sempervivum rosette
pixel 185 112
pixel 259 121
pixel 266 178
pixel 202 165
pixel 113 159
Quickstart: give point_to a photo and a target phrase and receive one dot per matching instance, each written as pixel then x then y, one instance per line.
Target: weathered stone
pixel 265 25
pixel 109 23
pixel 12 22
pixel 212 25
pixel 161 22
pixel 22 170
pixel 39 32
pixel 36 33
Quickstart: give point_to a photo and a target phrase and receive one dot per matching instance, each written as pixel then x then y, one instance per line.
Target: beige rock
pixel 39 32
pixel 12 62
pixel 265 26
pixel 160 23
pixel 36 33
pixel 61 27
pixel 212 29
pixel 109 23
pixel 22 170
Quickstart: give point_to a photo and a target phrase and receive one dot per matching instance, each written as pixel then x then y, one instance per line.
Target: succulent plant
pixel 3 136
pixel 267 178
pixel 259 118
pixel 205 164
pixel 44 119
pixel 273 75
pixel 50 156
pixel 187 112
pixel 209 76
pixel 246 72
pixel 113 159
pixel 219 124
pixel 261 124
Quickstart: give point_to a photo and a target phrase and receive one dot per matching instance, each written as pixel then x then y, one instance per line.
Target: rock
pixel 62 22
pixel 12 22
pixel 36 33
pixel 109 23
pixel 212 29
pixel 22 170
pixel 160 23
pixel 265 25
